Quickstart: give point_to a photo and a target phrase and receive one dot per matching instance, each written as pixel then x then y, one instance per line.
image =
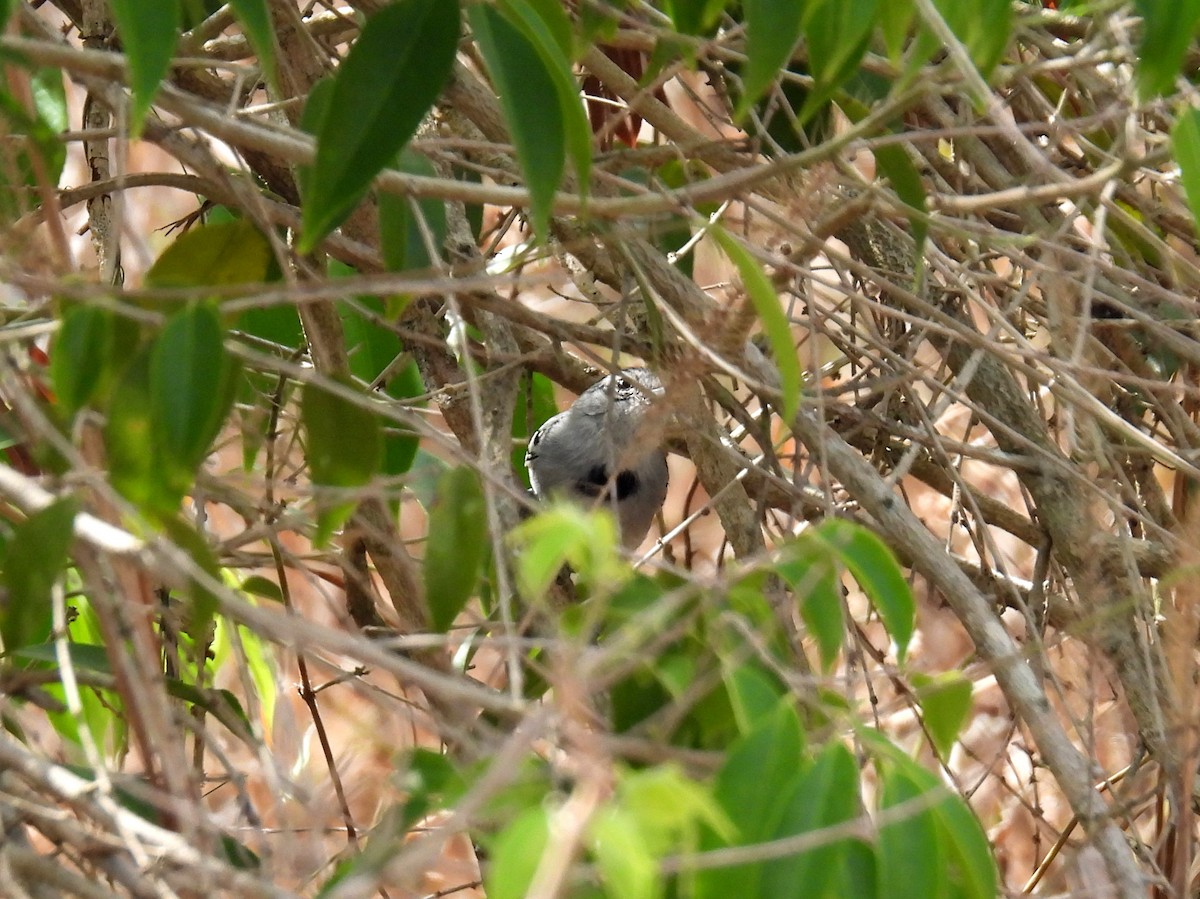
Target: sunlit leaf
pixel 625 865
pixel 565 534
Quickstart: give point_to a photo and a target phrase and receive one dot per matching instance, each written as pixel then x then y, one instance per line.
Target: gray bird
pixel 595 452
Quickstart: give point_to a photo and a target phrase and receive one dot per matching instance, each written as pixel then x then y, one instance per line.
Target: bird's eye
pixel 624 384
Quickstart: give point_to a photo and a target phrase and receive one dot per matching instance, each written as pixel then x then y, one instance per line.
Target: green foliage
pixel 34 559
pixel 836 35
pixel 1168 28
pixel 945 702
pixel 528 63
pixel 586 539
pixel 774 320
pixel 1185 146
pixel 214 255
pixel 411 238
pixel 83 355
pixel 805 566
pixel 149 30
pixel 255 17
pixel 456 547
pixel 168 406
pixel 772 30
pixel 382 90
pixel 34 138
pixel 343 446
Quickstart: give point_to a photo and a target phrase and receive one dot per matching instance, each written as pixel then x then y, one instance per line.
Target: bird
pixel 597 452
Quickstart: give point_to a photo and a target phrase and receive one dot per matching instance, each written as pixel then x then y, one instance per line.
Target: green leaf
pixel 430 781
pixel 38 133
pixel 130 442
pixel 91 657
pixel 388 81
pixel 1185 144
pixel 752 787
pixel 945 703
pixel 874 567
pixel 221 704
pixel 81 355
pixel 149 30
pixel 213 255
pixel 538 129
pixel 815 583
pixel 190 375
pixel 972 866
pixel 344 447
pixel 825 795
pixel 544 24
pixel 5 12
pixel 373 348
pixel 753 695
pixel 694 16
pixel 836 36
pixel 202 601
pixel 256 20
pixel 772 32
pixel 666 804
pixel 401 235
pixel 257 585
pixel 895 20
pixel 967 862
pixel 34 559
pixel 770 312
pixel 626 867
pixel 984 28
pixel 906 182
pixel 1168 27
pixel 516 854
pixel 534 406
pixel 566 534
pixel 911 858
pixel 456 547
